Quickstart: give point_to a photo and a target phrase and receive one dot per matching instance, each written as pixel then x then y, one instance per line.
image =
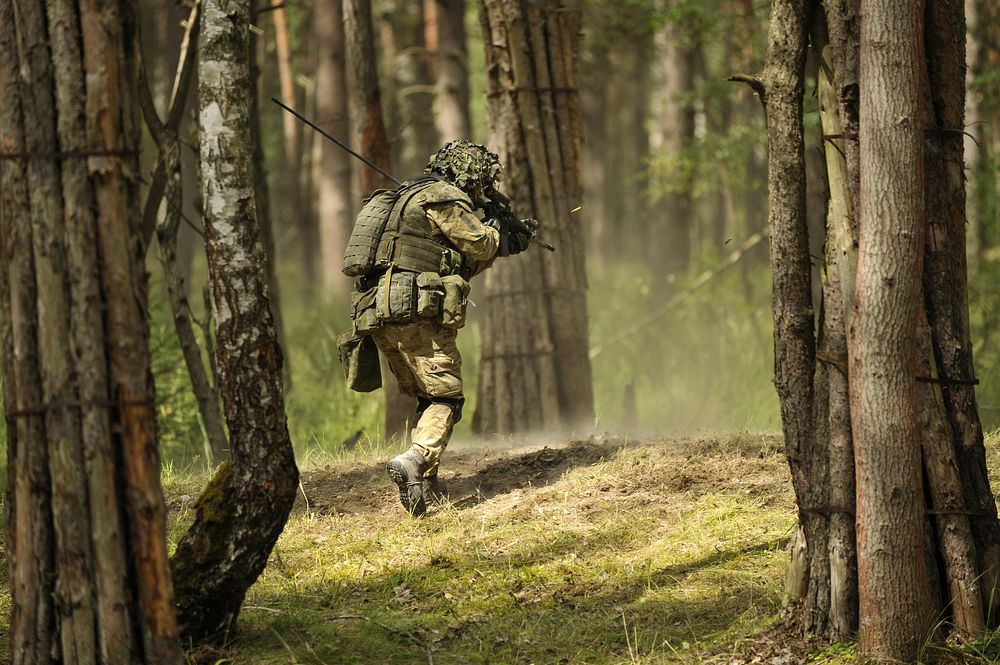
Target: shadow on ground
pixel 471 477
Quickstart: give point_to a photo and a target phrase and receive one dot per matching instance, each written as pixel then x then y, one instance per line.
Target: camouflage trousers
pixel 425 361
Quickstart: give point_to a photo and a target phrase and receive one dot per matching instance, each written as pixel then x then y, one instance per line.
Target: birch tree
pixel 82 450
pixel 244 508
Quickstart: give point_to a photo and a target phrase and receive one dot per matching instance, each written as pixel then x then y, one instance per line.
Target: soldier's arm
pixel 477 242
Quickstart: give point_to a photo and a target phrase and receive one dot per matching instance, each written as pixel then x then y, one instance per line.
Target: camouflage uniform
pixel 422 354
pixel 413 250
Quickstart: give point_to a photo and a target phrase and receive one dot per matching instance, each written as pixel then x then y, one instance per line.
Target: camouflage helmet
pixel 466 164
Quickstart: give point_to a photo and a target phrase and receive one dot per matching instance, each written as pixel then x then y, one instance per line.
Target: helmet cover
pixel 466 164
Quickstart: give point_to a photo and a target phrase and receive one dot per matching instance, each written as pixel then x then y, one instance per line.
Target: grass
pixel 653 553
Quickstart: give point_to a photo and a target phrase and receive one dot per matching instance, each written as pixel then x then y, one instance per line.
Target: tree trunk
pixel 840 261
pixel 369 126
pixel 294 177
pixel 535 369
pixel 166 137
pixel 331 165
pixel 446 45
pixel 671 244
pixel 594 112
pixel 83 451
pixel 945 277
pixel 414 90
pixel 244 508
pixel 262 199
pixel 895 605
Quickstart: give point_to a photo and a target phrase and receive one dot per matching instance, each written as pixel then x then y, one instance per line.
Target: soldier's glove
pixel 492 222
pixel 513 242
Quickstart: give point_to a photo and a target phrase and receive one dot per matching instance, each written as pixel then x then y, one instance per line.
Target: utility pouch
pixel 396 297
pixel 363 310
pixel 430 294
pixel 456 297
pixel 359 356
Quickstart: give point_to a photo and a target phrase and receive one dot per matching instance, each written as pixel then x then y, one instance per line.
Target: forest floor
pixel 595 551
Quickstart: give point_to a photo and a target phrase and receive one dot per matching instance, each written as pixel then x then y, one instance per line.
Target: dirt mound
pixel 471 477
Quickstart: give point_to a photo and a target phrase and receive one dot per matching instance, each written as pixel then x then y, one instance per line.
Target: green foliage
pixel 181 434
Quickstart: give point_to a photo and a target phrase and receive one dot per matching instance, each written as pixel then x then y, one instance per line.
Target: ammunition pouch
pixel 456 298
pixel 359 356
pixel 396 297
pixel 430 295
pixel 363 309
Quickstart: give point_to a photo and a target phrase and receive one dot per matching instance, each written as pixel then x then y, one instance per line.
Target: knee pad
pixel 455 403
pixel 422 404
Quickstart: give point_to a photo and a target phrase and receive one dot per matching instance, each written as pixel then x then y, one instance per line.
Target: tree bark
pixel 445 40
pixel 945 276
pixel 368 125
pixel 167 137
pixel 781 90
pixel 84 455
pixel 30 536
pixel 535 369
pixel 840 261
pixel 262 199
pixel 895 605
pixel 245 506
pixel 331 166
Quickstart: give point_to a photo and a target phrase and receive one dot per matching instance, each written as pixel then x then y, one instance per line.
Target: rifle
pixel 496 205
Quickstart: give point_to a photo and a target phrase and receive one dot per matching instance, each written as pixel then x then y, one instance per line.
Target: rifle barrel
pixel 340 143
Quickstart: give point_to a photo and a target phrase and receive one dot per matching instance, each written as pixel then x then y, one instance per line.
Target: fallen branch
pixel 681 296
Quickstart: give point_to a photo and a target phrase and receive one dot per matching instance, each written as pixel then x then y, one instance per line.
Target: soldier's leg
pixel 406 470
pixel 432 355
pixel 386 339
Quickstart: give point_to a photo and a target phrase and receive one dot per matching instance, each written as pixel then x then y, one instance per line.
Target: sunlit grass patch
pixel 638 557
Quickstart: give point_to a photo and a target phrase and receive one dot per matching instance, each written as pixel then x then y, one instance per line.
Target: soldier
pixel 432 244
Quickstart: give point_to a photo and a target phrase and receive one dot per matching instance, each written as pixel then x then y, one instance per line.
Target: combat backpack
pixel 371 222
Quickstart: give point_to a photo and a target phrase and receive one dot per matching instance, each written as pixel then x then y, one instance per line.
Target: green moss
pixel 214 511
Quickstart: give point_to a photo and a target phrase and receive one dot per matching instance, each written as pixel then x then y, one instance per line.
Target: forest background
pixel 674 208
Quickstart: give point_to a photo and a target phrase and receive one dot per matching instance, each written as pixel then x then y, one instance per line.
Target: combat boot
pixel 407 471
pixel 435 489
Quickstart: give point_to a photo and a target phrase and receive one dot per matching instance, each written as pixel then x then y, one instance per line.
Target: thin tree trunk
pixel 445 40
pixel 89 376
pixel 166 136
pixel 331 165
pixel 262 199
pixel 781 90
pixel 294 176
pixel 245 506
pixel 368 124
pixel 895 605
pixel 594 104
pixel 416 135
pixel 535 370
pixel 671 244
pixel 838 285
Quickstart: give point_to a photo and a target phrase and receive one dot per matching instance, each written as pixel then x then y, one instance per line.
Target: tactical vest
pixel 407 242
